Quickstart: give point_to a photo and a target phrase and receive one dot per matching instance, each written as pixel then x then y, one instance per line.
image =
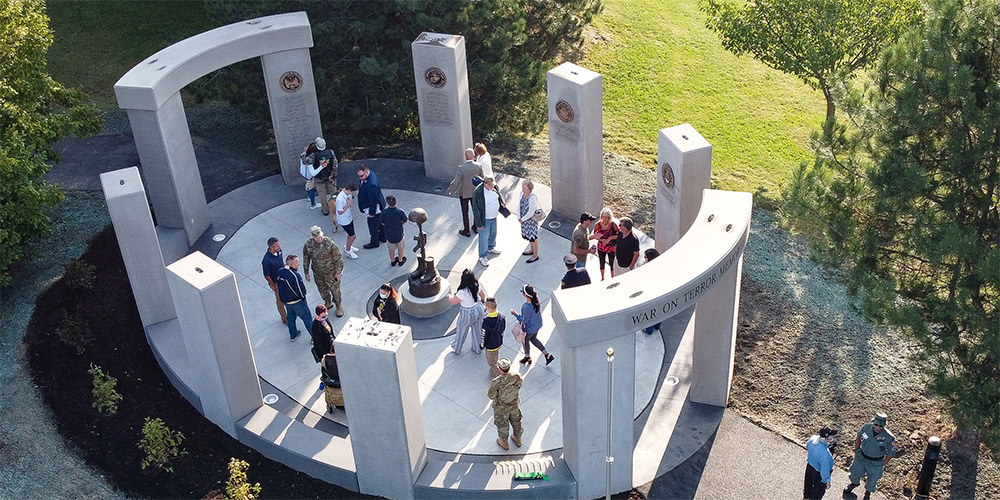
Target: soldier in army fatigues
pixel 873 447
pixel 327 264
pixel 504 391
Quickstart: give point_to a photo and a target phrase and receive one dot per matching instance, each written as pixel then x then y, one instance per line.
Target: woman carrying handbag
pixel 530 320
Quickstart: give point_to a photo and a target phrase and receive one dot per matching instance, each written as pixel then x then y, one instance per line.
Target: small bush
pixel 237 487
pixel 74 331
pixel 79 275
pixel 160 444
pixel 106 398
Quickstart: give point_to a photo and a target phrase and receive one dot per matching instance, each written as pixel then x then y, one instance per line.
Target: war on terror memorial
pixel 192 289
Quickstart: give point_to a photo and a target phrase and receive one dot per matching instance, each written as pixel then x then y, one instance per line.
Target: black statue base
pixel 425 281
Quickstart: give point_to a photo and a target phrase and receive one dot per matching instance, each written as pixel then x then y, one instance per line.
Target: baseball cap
pixel 316 231
pixel 503 364
pixel 584 217
pixel 827 432
pixel 320 143
pixel 570 259
pixel 880 419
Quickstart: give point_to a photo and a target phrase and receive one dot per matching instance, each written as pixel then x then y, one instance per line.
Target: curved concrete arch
pixel 150 83
pixel 150 93
pixel 702 270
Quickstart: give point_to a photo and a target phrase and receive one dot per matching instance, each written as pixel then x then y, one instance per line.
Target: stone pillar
pixel 170 168
pixel 216 339
pixel 137 240
pixel 442 84
pixel 715 339
pixel 684 171
pixel 291 93
pixel 378 373
pixel 576 141
pixel 585 412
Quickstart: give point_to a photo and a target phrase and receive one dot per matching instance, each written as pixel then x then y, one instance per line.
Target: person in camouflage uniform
pixel 505 393
pixel 873 447
pixel 327 264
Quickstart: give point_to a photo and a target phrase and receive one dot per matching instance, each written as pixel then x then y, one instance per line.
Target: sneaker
pixel 549 358
pixel 484 262
pixel 525 360
pixel 350 254
pixel 402 262
pixel 392 263
pixel 354 249
pixel 314 206
pixel 494 251
pixel 465 233
pixel 296 336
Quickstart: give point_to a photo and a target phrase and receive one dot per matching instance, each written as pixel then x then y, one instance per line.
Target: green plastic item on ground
pixel 524 476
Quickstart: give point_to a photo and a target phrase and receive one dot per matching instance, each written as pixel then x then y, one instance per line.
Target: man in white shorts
pixel 345 217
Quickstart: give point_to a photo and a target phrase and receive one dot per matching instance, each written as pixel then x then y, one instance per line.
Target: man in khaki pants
pixel 272 261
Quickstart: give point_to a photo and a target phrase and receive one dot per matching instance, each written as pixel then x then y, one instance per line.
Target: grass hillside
pixel 663 67
pixel 96 42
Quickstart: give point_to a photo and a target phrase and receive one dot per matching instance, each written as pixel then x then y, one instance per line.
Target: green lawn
pixel 663 67
pixel 96 42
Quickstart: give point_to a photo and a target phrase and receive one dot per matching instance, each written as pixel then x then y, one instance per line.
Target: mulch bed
pixel 110 443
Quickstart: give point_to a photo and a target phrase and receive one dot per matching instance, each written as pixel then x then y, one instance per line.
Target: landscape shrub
pixel 79 275
pixel 160 444
pixel 106 398
pixel 237 487
pixel 74 331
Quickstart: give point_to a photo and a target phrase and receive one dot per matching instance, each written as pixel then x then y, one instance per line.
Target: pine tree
pixel 364 70
pixel 910 202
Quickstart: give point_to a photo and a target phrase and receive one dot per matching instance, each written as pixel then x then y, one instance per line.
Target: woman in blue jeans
pixel 531 321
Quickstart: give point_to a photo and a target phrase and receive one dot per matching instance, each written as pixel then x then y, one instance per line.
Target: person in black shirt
pixel 386 306
pixel 393 220
pixel 627 252
pixel 494 325
pixel 326 178
pixel 575 276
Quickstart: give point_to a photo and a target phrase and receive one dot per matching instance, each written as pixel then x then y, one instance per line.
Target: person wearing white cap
pixel 575 276
pixel 873 447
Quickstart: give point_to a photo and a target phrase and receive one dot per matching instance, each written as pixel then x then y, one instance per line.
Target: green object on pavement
pixel 524 476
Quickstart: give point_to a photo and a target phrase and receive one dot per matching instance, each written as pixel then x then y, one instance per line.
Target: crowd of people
pixel 479 321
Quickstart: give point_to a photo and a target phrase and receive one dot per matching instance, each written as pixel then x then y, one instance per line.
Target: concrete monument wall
pixel 442 85
pixel 150 92
pixel 699 268
pixel 684 171
pixel 140 247
pixel 291 94
pixel 576 140
pixel 216 339
pixel 378 372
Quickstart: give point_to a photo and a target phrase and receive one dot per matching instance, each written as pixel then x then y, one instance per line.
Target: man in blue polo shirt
pixel 819 464
pixel 272 261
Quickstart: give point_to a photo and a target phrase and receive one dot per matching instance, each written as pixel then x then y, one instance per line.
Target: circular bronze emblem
pixel 564 111
pixel 291 82
pixel 668 175
pixel 435 77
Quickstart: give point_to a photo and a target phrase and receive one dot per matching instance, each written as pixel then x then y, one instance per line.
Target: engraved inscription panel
pixel 437 109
